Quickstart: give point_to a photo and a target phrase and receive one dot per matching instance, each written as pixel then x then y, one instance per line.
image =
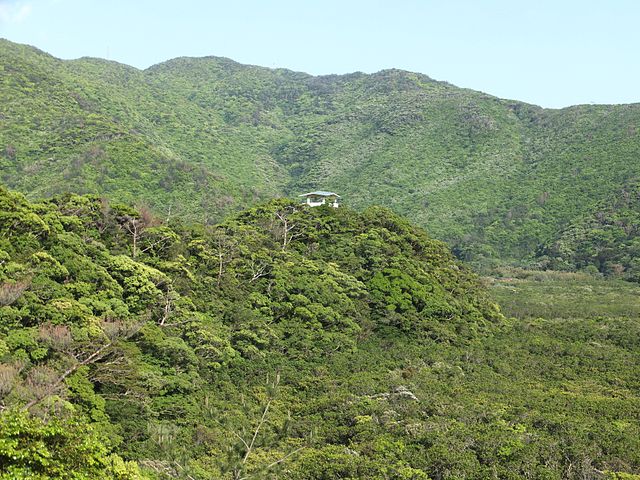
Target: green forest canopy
pixel 288 342
pixel 501 181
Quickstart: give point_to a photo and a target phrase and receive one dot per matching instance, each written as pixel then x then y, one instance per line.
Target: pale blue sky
pixel 551 53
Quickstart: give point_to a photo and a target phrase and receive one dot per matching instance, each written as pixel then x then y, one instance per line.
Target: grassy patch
pixel 530 294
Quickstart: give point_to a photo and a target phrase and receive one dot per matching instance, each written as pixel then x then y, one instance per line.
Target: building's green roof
pixel 320 193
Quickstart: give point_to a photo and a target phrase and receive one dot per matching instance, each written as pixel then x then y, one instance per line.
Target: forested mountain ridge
pixel 500 180
pixel 288 342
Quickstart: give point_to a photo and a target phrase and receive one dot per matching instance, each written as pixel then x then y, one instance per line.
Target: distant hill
pixel 500 180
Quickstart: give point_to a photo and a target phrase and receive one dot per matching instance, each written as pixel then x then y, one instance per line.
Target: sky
pixel 552 53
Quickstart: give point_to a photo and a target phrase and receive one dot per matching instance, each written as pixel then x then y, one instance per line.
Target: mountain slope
pixel 497 179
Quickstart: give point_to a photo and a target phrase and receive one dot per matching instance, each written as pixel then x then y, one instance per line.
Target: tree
pixel 287 226
pixel 136 223
pixel 74 354
pixel 35 449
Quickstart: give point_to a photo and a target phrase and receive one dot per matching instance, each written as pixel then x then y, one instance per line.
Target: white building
pixel 315 199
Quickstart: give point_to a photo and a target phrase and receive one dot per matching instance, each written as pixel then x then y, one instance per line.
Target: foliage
pixel 33 449
pixel 549 294
pixel 501 181
pixel 288 342
pixel 606 242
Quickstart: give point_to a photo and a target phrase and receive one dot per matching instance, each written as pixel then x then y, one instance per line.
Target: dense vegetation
pixel 527 294
pixel 291 343
pixel 499 180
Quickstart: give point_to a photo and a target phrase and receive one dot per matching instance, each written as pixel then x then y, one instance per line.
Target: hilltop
pixel 166 340
pixel 499 180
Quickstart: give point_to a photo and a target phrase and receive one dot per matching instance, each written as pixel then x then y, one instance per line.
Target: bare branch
pixel 51 388
pixel 255 434
pixel 293 452
pixel 167 309
pixel 258 270
pixel 280 460
pixel 287 226
pixel 246 445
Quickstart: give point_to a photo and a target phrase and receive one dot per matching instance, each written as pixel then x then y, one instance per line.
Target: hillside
pixel 288 342
pixel 499 180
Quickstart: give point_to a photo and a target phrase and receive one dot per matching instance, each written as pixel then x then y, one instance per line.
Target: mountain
pixel 288 342
pixel 500 180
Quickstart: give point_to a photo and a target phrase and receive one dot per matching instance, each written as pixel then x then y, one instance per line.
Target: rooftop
pixel 320 193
